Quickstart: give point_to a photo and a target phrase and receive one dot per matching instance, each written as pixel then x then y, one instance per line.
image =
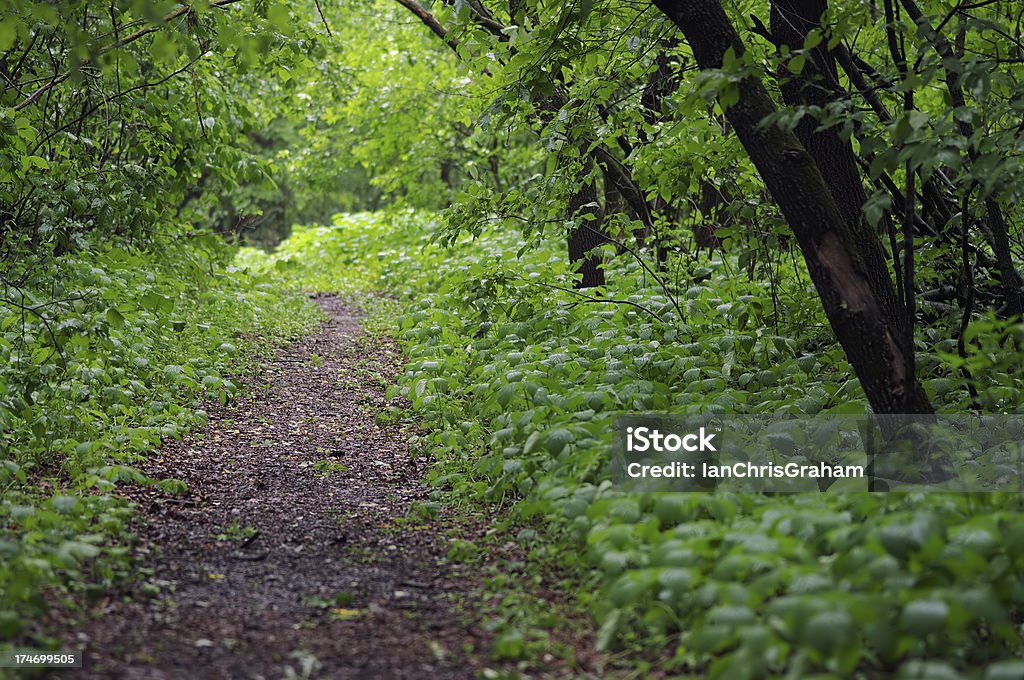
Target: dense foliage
pixel 106 354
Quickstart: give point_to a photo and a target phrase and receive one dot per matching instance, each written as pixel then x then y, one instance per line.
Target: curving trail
pixel 289 556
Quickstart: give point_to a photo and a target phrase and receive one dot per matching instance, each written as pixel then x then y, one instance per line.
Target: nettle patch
pixel 104 353
pixel 517 378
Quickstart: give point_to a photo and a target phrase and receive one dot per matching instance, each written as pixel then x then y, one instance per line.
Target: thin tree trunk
pixel 996 221
pixel 587 234
pixel 712 203
pixel 615 204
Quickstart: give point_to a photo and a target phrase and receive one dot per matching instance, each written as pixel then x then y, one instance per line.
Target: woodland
pixel 396 266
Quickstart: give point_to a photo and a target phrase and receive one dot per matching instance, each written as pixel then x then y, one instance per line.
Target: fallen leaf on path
pixel 346 614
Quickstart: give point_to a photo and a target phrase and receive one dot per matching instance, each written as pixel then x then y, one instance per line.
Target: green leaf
pixel 829 631
pixel 923 617
pixel 505 394
pixel 65 505
pixel 917 119
pixel 8 32
pixel 609 629
pixel 279 15
pixel 10 624
pixel 114 318
pixel 876 207
pixel 1005 670
pixel 28 162
pixel 172 486
pixel 556 440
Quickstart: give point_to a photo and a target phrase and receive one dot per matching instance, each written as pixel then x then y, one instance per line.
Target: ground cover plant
pixel 517 379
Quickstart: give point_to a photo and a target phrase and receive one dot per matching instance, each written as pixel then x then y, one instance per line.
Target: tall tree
pixel 854 287
pixel 585 235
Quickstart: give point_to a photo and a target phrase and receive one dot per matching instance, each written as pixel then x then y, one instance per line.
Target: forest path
pixel 290 555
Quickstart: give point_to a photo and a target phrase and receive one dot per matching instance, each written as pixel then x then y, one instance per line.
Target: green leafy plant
pixel 326 468
pixel 141 344
pixel 235 532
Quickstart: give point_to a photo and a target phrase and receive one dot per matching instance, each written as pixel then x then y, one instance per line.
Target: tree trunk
pixel 712 205
pixel 586 235
pixel 615 204
pixel 843 275
pixel 818 85
pixel 661 84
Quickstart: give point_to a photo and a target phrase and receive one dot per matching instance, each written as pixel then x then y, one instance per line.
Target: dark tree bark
pixel 615 204
pixel 661 84
pixel 712 203
pixel 844 276
pixel 818 85
pixel 587 234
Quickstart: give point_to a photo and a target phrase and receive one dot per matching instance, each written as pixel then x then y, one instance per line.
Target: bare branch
pixel 323 19
pixel 431 22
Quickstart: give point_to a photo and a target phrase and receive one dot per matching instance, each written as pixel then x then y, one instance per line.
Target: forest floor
pixel 296 551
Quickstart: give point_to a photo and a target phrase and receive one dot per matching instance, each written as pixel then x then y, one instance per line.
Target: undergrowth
pixel 105 352
pixel 516 379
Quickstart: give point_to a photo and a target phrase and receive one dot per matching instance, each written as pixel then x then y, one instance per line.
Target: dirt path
pixel 288 555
